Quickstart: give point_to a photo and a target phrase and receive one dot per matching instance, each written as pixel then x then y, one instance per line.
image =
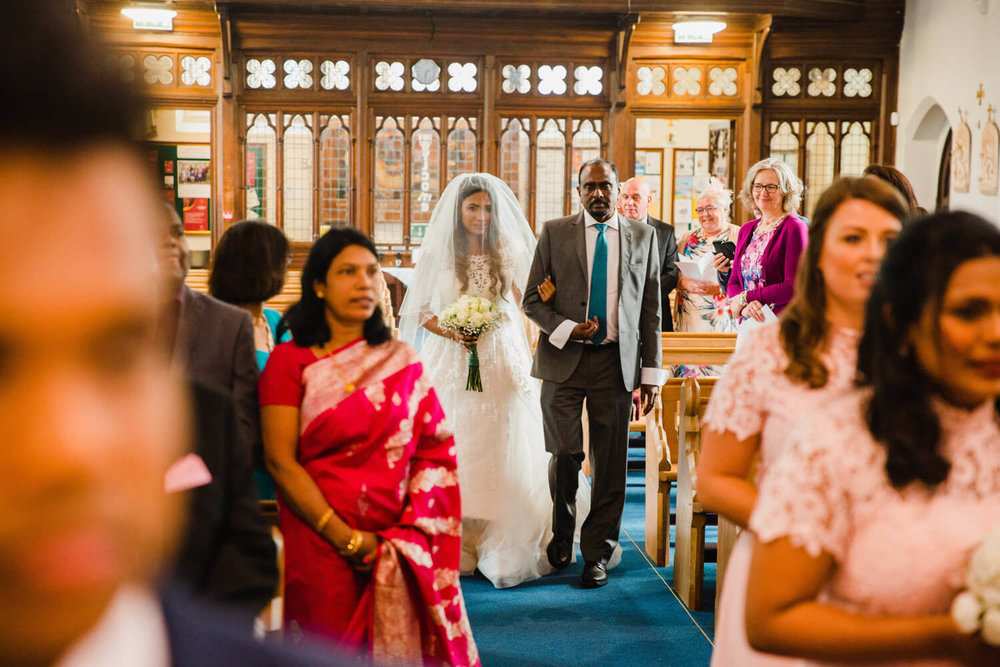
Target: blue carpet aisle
pixel 634 620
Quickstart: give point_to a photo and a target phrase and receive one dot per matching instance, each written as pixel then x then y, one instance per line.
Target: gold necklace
pixel 349 385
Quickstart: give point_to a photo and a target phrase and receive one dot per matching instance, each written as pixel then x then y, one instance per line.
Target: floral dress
pixel 702 312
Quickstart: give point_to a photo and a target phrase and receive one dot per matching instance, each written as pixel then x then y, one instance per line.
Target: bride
pixel 479 243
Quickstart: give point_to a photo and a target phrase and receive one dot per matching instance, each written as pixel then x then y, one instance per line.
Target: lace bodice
pixel 479 277
pixel 897 552
pixel 755 396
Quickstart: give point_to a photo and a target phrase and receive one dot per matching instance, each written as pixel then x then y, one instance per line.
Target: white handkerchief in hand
pixel 186 473
pixel 750 324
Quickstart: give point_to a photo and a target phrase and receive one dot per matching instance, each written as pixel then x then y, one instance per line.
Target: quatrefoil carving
pixel 857 83
pixel 822 82
pixel 687 81
pixel 786 81
pixel 651 80
pixel 722 81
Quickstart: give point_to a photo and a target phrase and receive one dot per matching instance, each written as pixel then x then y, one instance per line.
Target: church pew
pixel 689 554
pixel 197 279
pixel 661 442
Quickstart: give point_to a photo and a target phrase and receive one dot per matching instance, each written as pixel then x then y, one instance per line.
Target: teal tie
pixel 599 286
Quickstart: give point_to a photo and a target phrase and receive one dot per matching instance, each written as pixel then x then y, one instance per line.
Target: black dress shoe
pixel 595 574
pixel 560 554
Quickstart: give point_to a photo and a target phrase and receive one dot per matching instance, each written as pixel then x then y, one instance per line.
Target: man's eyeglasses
pixel 770 187
pixel 705 209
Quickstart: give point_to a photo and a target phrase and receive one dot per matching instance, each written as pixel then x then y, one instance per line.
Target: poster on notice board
pixel 185 172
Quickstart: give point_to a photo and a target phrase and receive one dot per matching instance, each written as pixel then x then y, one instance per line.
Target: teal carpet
pixel 634 620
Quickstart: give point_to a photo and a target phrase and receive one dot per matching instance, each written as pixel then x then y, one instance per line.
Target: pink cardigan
pixel 780 262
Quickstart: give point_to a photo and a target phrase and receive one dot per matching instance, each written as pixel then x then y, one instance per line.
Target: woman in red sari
pixel 365 472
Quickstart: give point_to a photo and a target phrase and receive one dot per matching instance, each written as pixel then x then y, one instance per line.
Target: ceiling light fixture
pixel 696 32
pixel 149 17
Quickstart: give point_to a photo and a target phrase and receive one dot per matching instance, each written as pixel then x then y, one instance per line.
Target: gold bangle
pixel 323 520
pixel 357 538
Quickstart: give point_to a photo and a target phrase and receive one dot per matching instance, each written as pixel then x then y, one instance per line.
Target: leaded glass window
pixel 820 157
pixel 855 148
pixel 586 146
pixel 550 170
pixel 515 159
pixel 335 173
pixel 297 178
pixel 259 179
pixel 462 151
pixel 388 185
pixel 425 160
pixel 785 143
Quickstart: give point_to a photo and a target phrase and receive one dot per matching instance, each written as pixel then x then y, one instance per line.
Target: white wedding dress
pixel 502 462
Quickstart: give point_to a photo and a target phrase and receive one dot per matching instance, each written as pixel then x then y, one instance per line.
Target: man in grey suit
pixel 227 555
pixel 633 202
pixel 600 339
pixel 211 341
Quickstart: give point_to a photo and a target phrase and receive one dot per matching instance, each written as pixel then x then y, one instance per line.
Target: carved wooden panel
pixel 428 75
pixel 171 70
pixel 526 81
pixel 652 81
pixel 329 73
pixel 841 81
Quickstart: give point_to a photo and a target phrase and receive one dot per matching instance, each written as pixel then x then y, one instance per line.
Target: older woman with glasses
pixel 701 304
pixel 768 248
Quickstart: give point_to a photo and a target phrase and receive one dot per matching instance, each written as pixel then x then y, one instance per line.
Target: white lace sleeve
pixel 805 494
pixel 739 398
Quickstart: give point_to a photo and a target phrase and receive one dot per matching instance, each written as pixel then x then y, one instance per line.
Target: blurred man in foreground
pixel 90 416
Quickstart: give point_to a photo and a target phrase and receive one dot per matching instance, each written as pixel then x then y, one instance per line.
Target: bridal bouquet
pixel 471 315
pixel 978 608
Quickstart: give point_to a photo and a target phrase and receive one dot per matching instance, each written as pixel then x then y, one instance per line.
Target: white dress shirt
pixel 560 336
pixel 131 632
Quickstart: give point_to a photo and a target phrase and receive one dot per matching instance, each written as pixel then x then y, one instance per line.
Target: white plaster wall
pixel 948 48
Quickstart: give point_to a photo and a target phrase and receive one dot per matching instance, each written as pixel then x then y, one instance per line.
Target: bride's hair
pixel 498 281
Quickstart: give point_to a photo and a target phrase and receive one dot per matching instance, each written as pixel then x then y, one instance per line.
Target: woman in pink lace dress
pixel 790 368
pixel 866 522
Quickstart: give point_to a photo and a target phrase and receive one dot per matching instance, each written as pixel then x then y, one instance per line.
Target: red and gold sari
pixel 372 436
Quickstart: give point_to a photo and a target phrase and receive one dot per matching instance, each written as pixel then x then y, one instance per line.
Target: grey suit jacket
pixel 214 346
pixel 562 254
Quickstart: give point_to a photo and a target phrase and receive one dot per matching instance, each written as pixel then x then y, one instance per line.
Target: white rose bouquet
pixel 472 316
pixel 978 607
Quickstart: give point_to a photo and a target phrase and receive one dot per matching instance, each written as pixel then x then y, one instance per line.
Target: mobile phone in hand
pixel 727 248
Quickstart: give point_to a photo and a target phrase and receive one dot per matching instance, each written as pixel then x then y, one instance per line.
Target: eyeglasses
pixel 770 187
pixel 705 209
